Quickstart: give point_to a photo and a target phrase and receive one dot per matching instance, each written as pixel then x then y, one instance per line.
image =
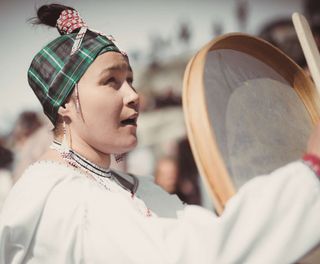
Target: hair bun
pixel 49 14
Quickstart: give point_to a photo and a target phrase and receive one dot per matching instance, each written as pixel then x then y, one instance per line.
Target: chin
pixel 127 146
pixel 132 145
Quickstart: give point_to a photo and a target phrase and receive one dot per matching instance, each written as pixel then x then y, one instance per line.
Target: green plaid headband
pixel 53 72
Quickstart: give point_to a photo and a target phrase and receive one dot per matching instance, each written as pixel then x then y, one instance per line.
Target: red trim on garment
pixel 313 161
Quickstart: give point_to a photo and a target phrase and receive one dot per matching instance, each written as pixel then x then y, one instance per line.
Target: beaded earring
pixel 65 149
pixel 77 98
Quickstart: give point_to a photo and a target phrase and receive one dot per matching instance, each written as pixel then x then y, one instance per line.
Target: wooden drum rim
pixel 200 133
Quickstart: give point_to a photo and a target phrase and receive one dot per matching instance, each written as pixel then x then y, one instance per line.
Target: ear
pixel 66 111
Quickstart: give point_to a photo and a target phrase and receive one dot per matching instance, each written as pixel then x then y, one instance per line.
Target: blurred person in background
pixel 26 124
pixel 188 189
pixel 166 174
pixel 34 146
pixel 281 33
pixel 178 174
pixel 69 207
pixel 29 139
pixel 6 159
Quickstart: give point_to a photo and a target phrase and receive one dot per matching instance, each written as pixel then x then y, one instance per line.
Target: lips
pixel 131 120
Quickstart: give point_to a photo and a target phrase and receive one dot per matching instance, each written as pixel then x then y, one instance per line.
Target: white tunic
pixel 54 214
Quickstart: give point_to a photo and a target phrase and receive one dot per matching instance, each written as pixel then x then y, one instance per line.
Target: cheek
pixel 102 109
pixel 101 126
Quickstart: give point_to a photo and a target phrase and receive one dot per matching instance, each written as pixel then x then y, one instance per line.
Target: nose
pixel 131 97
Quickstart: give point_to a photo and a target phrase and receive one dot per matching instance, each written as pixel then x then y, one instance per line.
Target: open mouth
pixel 130 121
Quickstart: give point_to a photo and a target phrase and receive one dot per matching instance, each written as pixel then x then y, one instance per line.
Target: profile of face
pixel 106 118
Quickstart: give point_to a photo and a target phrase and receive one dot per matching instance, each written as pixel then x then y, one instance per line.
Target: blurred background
pixel 160 38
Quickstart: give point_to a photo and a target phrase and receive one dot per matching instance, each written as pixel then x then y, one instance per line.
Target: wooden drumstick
pixel 312 56
pixel 309 47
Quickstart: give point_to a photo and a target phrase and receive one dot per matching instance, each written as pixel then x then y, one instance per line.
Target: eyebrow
pixel 116 68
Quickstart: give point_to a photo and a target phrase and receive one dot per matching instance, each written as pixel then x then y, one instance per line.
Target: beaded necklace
pixel 100 175
pixel 78 161
pixel 73 158
pixel 97 173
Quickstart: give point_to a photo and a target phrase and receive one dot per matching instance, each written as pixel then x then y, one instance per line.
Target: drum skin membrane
pixel 259 121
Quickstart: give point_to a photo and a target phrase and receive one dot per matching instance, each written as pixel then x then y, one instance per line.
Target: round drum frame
pixel 201 134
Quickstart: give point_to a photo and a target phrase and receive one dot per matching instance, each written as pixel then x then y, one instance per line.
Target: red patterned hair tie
pixel 68 21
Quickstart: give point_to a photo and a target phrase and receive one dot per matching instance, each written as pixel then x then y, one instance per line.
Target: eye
pixel 130 80
pixel 111 80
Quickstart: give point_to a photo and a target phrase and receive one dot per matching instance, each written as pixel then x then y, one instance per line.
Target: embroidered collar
pixel 128 182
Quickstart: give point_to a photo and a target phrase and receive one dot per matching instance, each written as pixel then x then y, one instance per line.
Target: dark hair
pixel 6 158
pixel 27 123
pixel 49 14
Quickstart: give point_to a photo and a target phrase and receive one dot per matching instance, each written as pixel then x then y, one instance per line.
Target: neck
pixel 93 155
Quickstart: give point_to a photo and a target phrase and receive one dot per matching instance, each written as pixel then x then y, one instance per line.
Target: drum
pixel 249 109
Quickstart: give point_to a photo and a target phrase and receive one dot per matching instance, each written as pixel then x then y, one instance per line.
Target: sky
pixel 131 22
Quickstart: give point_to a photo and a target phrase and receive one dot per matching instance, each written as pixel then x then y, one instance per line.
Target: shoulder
pixel 41 181
pixel 43 176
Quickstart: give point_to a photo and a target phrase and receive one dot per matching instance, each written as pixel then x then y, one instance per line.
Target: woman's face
pixel 108 106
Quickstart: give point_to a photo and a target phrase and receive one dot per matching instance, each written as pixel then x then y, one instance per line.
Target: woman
pixel 70 208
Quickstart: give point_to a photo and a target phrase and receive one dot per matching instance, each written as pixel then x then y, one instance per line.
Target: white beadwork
pixel 107 182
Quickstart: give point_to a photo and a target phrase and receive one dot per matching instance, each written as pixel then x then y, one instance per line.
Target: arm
pixel 272 219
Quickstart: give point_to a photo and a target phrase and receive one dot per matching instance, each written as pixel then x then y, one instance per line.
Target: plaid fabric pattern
pixel 53 72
